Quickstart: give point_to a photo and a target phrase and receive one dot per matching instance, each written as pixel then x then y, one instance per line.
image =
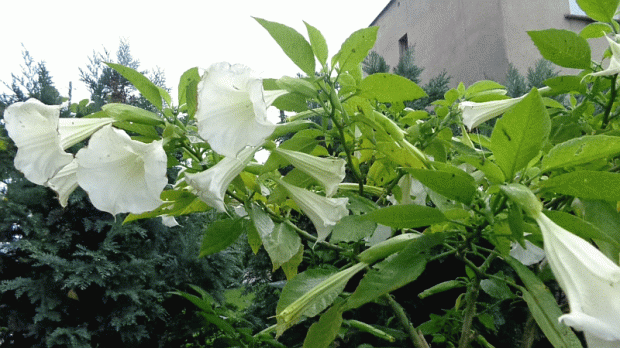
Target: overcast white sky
pixel 174 35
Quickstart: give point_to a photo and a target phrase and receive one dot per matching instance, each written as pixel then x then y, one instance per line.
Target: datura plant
pixel 391 226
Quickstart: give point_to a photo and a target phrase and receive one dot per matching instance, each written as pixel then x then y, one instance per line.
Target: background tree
pixel 406 66
pixel 108 86
pixel 374 63
pixel 518 85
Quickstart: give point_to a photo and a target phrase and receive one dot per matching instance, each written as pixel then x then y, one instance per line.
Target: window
pixel 574 8
pixel 403 46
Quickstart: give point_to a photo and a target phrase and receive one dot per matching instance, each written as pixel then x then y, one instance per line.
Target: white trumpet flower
pixel 41 137
pixel 232 108
pixel 211 184
pixel 120 174
pixel 328 171
pixel 64 182
pixel 590 280
pixel 474 114
pixel 323 212
pixel 614 62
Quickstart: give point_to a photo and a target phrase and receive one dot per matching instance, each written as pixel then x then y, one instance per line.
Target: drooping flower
pixel 614 62
pixel 64 182
pixel 474 114
pixel 323 212
pixel 590 280
pixel 328 171
pixel 41 137
pixel 232 108
pixel 211 184
pixel 120 174
pixel 33 127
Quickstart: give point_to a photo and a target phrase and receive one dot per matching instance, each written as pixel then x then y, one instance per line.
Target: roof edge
pixel 382 12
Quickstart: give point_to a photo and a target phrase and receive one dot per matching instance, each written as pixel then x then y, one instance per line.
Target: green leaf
pixel 220 234
pixel 352 228
pixel 394 272
pixel 543 307
pixel 280 241
pixel 491 170
pixel 292 43
pixel 562 47
pixel 595 30
pixel 148 89
pixel 605 217
pixel 290 267
pixel 599 10
pixel 519 135
pixel 390 88
pixel 590 230
pixel 322 333
pixel 496 289
pixel 318 43
pixel 355 49
pixel 456 184
pixel 406 216
pixel 309 293
pixel 481 87
pixel 581 150
pixel 586 184
pixel 128 113
pixel 189 79
pixel 565 84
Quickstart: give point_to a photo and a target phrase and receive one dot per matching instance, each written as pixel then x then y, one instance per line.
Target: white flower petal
pixel 232 109
pixel 121 174
pixel 211 184
pixel 590 280
pixel 64 182
pixel 323 212
pixel 74 130
pixel 529 255
pixel 475 114
pixel 169 221
pixel 593 326
pixel 614 62
pixel 33 126
pixel 328 171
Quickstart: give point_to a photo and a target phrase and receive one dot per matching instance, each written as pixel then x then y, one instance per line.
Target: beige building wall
pixel 472 39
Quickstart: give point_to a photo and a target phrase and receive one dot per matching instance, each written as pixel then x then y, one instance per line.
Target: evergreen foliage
pixel 515 82
pixel 406 66
pixel 518 85
pixel 374 63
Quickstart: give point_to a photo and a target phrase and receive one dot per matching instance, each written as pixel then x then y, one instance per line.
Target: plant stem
pixel 467 335
pixel 416 336
pixel 610 103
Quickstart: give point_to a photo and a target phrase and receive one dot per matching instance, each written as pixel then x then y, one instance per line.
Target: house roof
pixel 374 21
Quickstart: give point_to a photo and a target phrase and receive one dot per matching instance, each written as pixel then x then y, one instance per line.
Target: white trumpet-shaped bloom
pixel 409 187
pixel 42 136
pixel 614 62
pixel 33 126
pixel 64 182
pixel 211 184
pixel 590 280
pixel 120 174
pixel 232 108
pixel 474 114
pixel 328 171
pixel 323 212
